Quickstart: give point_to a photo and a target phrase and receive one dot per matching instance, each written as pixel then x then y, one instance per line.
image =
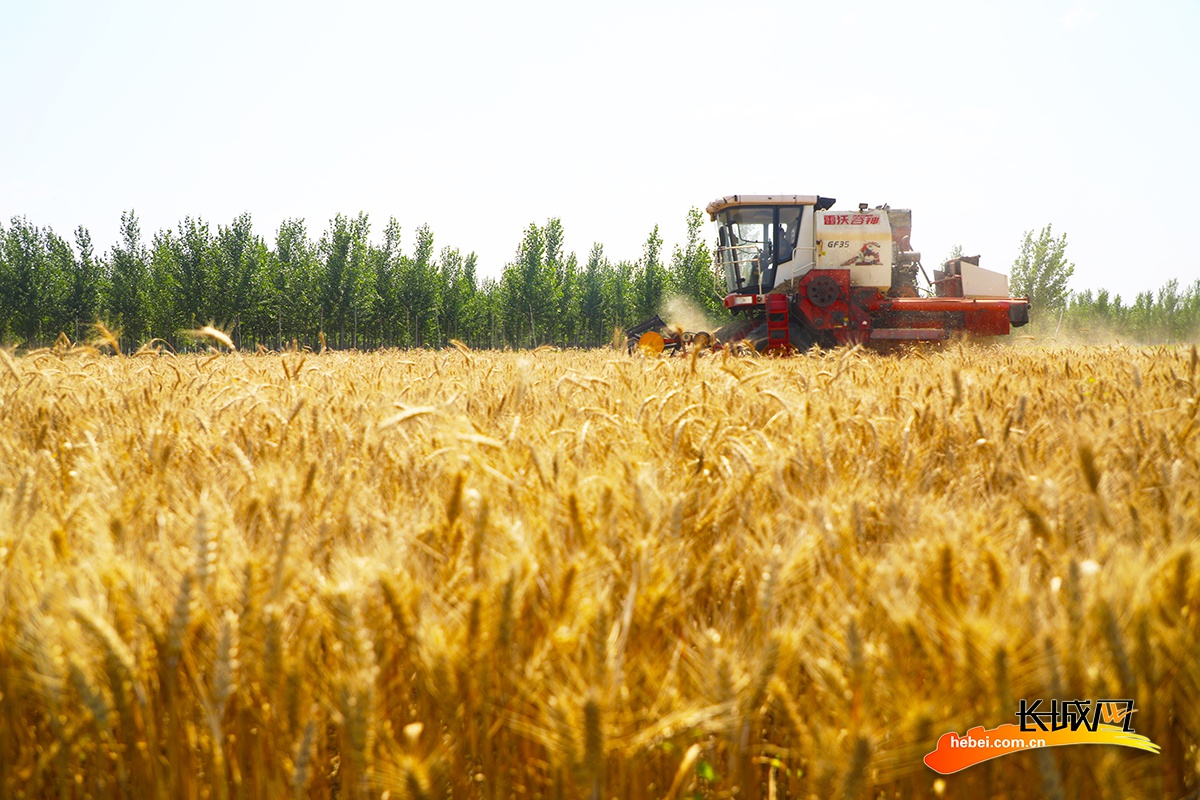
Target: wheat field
pixel 576 574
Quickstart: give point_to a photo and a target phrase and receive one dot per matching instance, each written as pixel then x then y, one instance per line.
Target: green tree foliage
pixel 160 291
pixel 528 297
pixel 456 279
pixel 57 280
pixel 1041 271
pixel 469 300
pixel 32 282
pixel 562 271
pixel 651 277
pixel 620 297
pixel 591 297
pixel 488 314
pixel 692 273
pixel 293 297
pixel 193 282
pixel 1170 315
pixel 86 287
pixel 128 302
pixel 346 286
pixel 421 291
pixel 558 294
pixel 238 261
pixel 387 265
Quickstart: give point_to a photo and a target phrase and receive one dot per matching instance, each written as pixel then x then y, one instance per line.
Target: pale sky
pixel 986 119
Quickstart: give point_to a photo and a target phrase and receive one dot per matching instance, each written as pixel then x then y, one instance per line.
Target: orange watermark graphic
pixel 1065 722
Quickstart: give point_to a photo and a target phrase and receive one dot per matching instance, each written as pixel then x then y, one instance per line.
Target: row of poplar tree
pixel 355 291
pixel 1170 315
pixel 1042 272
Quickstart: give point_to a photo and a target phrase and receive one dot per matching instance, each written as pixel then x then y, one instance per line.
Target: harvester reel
pixel 823 291
pixel 701 340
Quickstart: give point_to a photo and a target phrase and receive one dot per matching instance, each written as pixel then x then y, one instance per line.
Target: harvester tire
pixel 758 338
pixel 733 331
pixel 801 337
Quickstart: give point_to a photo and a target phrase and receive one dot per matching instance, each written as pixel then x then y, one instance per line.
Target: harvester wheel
pixel 651 343
pixel 823 291
pixel 701 340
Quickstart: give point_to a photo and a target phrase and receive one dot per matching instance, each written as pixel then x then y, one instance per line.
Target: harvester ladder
pixel 777 321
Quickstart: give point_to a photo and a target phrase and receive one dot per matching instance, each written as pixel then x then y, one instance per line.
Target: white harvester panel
pixel 983 283
pixel 858 240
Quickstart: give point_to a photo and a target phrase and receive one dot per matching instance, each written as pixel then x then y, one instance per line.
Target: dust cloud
pixel 680 311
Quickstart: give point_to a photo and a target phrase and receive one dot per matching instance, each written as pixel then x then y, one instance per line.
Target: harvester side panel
pixel 858 240
pixel 821 299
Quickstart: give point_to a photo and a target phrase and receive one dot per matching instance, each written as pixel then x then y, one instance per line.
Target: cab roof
pixel 729 201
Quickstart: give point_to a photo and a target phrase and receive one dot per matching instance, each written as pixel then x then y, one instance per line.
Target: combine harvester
pixel 799 274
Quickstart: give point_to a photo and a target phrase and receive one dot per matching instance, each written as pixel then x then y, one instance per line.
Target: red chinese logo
pixel 851 219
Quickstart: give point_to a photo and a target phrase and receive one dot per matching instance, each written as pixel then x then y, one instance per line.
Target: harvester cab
pixel 762 243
